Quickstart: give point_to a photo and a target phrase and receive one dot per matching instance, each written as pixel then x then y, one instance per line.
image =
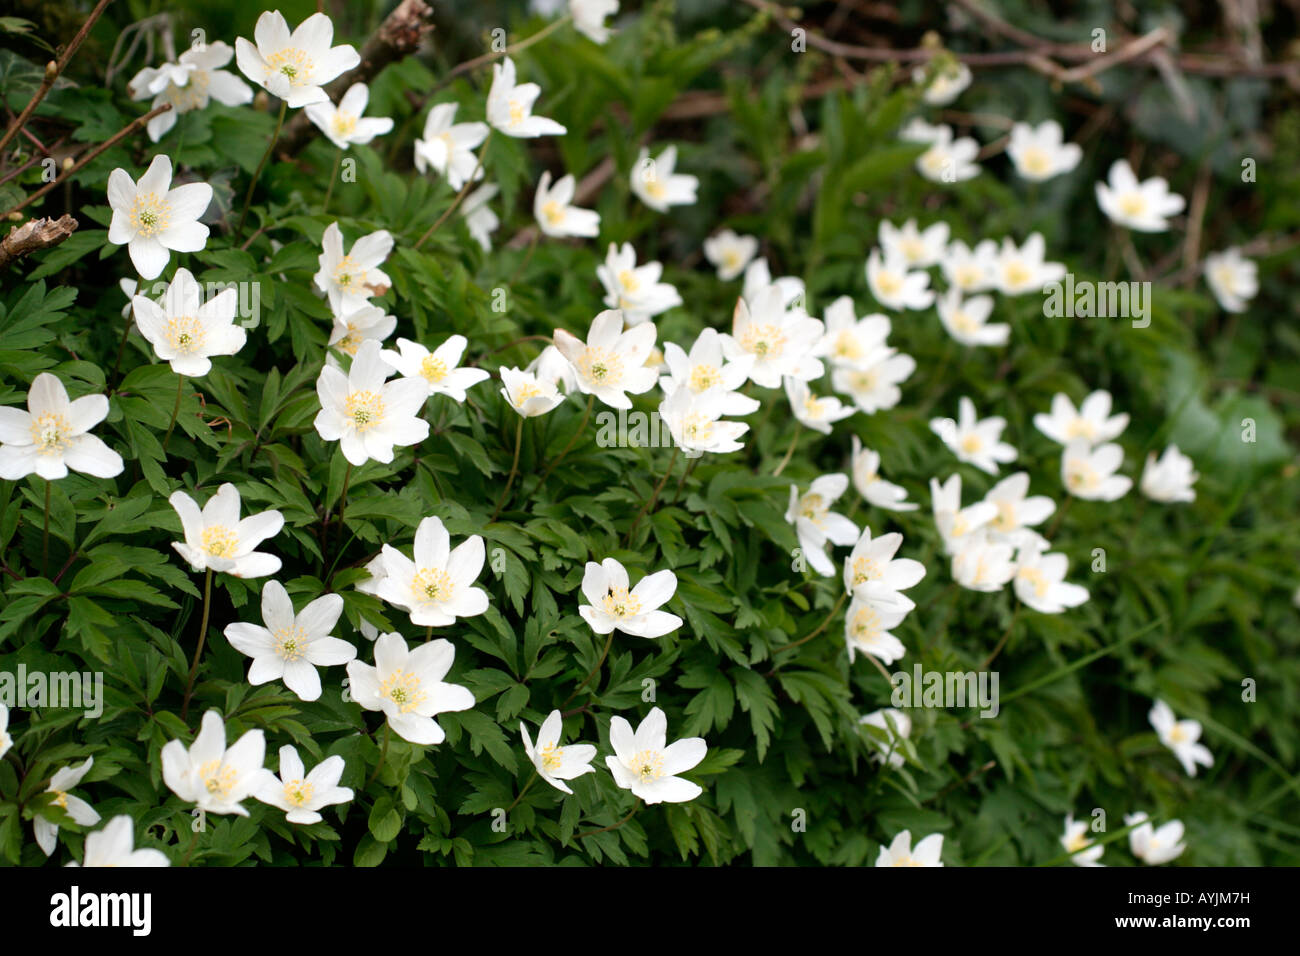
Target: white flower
pixel 707 370
pixel 635 290
pixel 816 525
pixel 1089 472
pixel 981 564
pixel 1040 581
pixel 589 17
pixel 947 160
pixel 973 440
pixel 873 382
pixel 1144 206
pixel 368 322
pixel 816 412
pixel 872 571
pixel 957 524
pixel 655 183
pixel 528 394
pixel 407 685
pixel 1040 153
pixel 186 331
pixel 645 763
pixel 730 253
pixel 350 279
pixel 53 436
pixel 555 214
pixel 1082 850
pixel 1016 511
pixel 115 846
pixel 1169 479
pixel 779 341
pixel 47 833
pixel 611 363
pixel 151 219
pixel 1021 270
pixel 439 371
pixel 554 763
pixel 300 794
pixel 1181 737
pixel 867 627
pixel 1153 846
pixel 897 727
pixel 970 270
pixel 209 775
pixel 1092 423
pixel 6 739
pixel 900 852
pixel 438 586
pixel 1232 278
pixel 865 465
pixel 187 85
pixel 216 538
pixel 967 322
pixel 848 340
pixel 510 106
pixel 894 287
pixel 947 84
pixel 694 419
pixel 919 249
pixel 344 125
pixel 758 276
pixel 919 131
pixel 448 147
pixel 366 415
pixel 614 608
pixel 551 366
pixel 291 646
pixel 479 219
pixel 294 67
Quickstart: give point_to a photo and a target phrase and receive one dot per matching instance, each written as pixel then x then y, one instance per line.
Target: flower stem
pixel 686 473
pixel 794 440
pixel 464 190
pixel 635 807
pixel 591 400
pixel 329 191
pixel 45 532
pixel 514 470
pixel 649 505
pixel 270 147
pixel 176 410
pixel 383 754
pixel 1060 516
pixel 1005 637
pixel 343 503
pixel 592 673
pixel 531 781
pixel 820 627
pixel 198 651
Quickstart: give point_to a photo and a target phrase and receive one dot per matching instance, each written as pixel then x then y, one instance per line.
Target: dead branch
pixel 34 235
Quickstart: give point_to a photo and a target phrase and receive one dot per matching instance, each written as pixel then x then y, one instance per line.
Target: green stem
pixel 198 651
pixel 270 147
pixel 383 754
pixel 592 673
pixel 531 781
pixel 176 410
pixel 45 533
pixel 329 191
pixel 464 191
pixel 820 627
pixel 635 807
pixel 343 503
pixel 650 504
pixel 794 440
pixel 1006 635
pixel 514 470
pixel 591 400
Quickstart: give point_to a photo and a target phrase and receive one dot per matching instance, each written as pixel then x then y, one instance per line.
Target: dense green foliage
pixel 1194 598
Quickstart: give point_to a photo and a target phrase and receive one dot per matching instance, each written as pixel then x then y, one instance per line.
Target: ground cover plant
pixel 706 433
